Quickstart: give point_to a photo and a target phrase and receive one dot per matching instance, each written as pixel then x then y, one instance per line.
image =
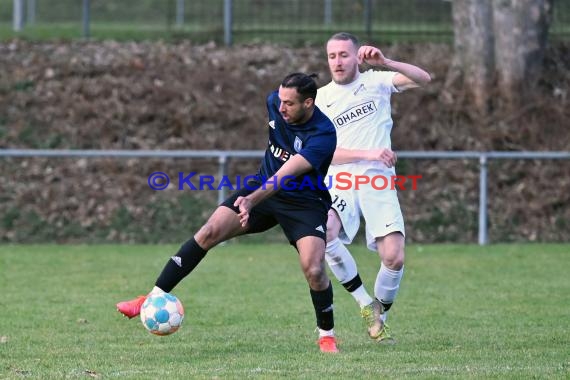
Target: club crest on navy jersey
pixel 298 144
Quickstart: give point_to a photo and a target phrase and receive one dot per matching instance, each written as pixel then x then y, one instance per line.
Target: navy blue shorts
pixel 298 217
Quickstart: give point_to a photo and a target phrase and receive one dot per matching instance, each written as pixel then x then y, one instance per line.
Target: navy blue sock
pixel 323 303
pixel 180 265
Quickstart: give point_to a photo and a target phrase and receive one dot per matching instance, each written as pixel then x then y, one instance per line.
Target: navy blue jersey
pixel 315 140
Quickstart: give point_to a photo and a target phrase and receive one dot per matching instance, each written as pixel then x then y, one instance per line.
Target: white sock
pixel 326 332
pixel 343 266
pixel 362 297
pixel 387 284
pixel 156 290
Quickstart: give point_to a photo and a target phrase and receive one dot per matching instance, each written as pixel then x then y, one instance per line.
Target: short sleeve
pixel 384 80
pixel 320 148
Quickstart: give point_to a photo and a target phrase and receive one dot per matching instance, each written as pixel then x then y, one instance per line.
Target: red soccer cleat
pixel 328 344
pixel 132 308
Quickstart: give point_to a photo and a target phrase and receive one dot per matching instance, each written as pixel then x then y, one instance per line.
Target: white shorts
pixel 379 208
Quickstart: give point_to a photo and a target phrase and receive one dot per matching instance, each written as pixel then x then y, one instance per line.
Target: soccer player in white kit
pixel 359 106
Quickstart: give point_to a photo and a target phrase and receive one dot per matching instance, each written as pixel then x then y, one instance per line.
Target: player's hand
pixel 244 205
pixel 371 55
pixel 386 156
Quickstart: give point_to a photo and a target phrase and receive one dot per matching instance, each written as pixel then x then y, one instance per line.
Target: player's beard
pixel 348 75
pixel 297 118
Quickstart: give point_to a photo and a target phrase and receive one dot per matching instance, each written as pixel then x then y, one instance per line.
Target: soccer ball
pixel 162 313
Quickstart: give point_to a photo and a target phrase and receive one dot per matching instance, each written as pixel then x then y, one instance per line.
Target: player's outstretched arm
pixel 409 76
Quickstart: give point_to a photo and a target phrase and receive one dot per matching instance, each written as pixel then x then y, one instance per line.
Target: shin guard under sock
pixel 323 303
pixel 180 265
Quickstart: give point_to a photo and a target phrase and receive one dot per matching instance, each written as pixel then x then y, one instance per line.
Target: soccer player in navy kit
pixel 289 190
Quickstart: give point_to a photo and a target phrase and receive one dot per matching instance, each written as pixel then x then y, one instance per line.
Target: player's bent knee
pixel 331 235
pixel 394 261
pixel 314 274
pixel 208 236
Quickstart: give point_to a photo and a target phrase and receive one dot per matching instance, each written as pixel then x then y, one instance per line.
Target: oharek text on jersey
pixel 355 113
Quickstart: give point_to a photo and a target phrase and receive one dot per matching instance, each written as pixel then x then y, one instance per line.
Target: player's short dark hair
pixel 345 36
pixel 303 83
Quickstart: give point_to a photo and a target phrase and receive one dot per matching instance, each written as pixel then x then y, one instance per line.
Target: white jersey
pixel 361 113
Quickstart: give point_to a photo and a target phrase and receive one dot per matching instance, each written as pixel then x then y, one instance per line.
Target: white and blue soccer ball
pixel 162 313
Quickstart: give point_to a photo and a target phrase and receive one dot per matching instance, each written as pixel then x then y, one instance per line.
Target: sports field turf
pixel 501 311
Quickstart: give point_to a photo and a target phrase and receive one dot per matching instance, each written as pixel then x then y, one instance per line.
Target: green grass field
pixel 463 311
